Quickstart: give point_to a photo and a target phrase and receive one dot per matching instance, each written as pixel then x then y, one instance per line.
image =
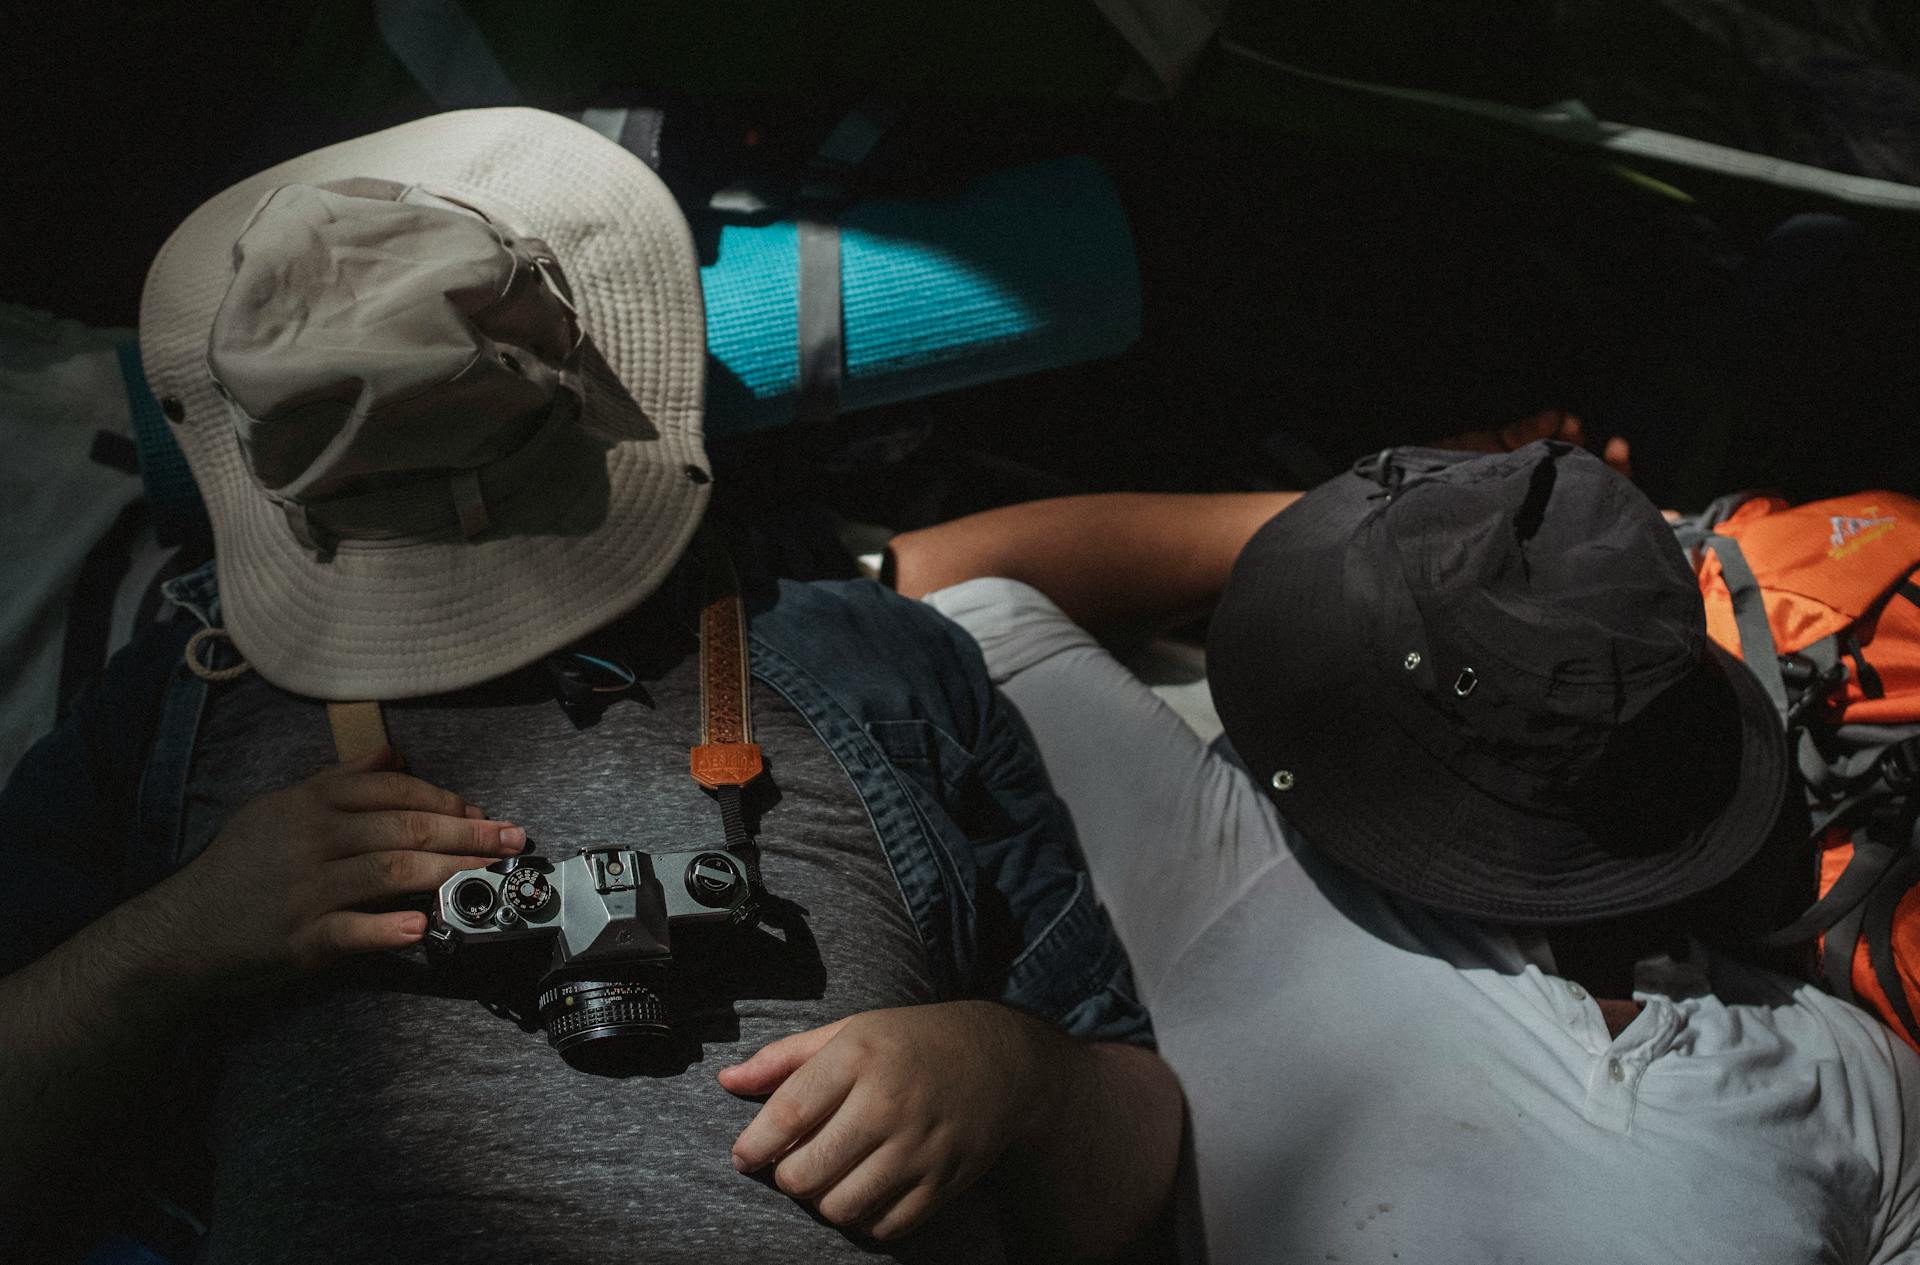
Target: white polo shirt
pixel 1373 1082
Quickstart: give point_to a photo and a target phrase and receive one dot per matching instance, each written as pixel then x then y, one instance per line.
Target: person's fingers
pixel 867 1191
pixel 345 932
pixel 797 1108
pixel 772 1063
pixel 1618 455
pixel 1542 425
pixel 1472 441
pixel 374 790
pixel 906 1213
pixel 382 757
pixel 377 876
pixel 359 833
pixel 815 1166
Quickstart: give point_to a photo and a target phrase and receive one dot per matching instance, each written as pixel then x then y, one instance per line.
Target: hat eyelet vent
pixel 1282 780
pixel 1464 683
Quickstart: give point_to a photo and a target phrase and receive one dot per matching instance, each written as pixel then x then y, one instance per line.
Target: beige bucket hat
pixel 441 388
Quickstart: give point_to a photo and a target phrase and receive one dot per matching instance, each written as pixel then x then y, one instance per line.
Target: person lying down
pixel 1444 940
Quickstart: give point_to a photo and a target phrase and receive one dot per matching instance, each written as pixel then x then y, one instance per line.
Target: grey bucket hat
pixel 441 388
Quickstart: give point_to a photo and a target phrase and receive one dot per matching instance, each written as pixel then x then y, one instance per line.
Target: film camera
pixel 608 912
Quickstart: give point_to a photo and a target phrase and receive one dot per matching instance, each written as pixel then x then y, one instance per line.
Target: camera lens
pixel 605 1021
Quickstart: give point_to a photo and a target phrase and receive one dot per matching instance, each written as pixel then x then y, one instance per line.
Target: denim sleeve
pixel 1038 918
pixel 68 810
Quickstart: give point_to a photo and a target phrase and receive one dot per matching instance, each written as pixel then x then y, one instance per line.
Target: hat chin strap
pixel 401 513
pixel 469 502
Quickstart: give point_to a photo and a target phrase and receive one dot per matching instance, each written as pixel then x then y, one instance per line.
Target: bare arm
pixel 1099 1166
pixel 1119 558
pixel 279 891
pixel 93 1016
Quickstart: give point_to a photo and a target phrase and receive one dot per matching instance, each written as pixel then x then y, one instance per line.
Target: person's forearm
pixel 1119 558
pixel 1096 1167
pixel 82 1028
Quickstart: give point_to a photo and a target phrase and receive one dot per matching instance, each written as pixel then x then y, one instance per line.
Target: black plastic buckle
pixel 1900 765
pixel 1806 690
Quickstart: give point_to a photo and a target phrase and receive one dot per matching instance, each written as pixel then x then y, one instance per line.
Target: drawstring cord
pixel 202 670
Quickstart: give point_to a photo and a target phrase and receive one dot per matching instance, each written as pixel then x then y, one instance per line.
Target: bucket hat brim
pixel 386 620
pixel 1301 693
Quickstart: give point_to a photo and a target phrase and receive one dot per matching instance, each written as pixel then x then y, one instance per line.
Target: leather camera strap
pixel 727 758
pixel 727 754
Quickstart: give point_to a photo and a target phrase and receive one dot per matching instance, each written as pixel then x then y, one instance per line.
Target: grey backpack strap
pixel 1693 530
pixel 1871 861
pixel 1750 619
pixel 1836 954
pixel 1877 926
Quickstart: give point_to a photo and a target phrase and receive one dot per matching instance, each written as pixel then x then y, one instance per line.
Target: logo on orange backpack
pixel 1850 533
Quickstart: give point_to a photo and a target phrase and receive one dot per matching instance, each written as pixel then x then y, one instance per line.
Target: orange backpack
pixel 1823 603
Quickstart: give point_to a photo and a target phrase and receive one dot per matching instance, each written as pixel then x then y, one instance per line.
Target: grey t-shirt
pixel 364 1117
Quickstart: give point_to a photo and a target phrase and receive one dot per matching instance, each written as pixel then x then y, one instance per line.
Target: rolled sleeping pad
pixel 1027 269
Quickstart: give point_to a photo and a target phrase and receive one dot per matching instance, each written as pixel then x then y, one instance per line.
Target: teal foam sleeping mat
pixel 1029 269
pixel 1025 270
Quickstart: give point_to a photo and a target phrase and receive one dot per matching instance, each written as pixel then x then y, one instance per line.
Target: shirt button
pixel 1615 1071
pixel 1576 992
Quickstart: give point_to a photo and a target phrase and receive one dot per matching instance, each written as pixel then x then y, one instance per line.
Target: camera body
pixel 607 905
pixel 609 912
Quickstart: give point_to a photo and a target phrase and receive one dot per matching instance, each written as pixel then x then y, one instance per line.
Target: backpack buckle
pixel 1808 688
pixel 1900 765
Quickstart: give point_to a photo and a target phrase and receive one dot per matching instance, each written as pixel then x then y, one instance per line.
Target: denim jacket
pixel 983 852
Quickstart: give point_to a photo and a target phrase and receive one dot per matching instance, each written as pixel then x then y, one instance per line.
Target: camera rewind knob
pixel 714 879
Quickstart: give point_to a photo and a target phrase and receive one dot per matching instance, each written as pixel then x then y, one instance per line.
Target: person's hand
pixel 879 1119
pixel 1546 424
pixel 286 884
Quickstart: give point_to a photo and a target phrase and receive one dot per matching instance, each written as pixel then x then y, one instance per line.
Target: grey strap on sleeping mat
pixel 635 129
pixel 823 188
pixel 1750 619
pixel 608 122
pixel 441 47
pixel 821 336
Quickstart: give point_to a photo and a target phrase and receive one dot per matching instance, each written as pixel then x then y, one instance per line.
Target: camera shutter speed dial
pixel 714 879
pixel 527 891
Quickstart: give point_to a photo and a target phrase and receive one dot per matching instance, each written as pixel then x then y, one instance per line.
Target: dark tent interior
pixel 1691 225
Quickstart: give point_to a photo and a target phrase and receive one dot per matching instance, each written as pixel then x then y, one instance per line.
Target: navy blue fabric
pixel 984 854
pixel 68 813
